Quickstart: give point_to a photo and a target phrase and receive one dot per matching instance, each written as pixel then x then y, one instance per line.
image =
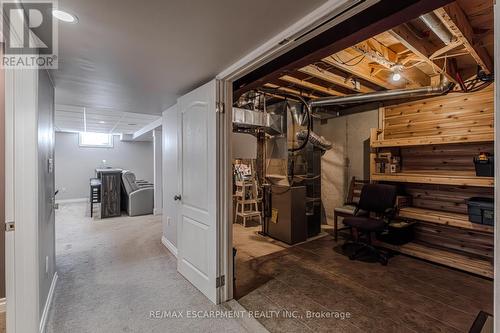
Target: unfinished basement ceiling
pixel 420 54
pixel 140 56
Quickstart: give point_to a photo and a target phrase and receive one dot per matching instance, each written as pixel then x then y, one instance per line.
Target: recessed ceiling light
pixel 102 122
pixel 64 16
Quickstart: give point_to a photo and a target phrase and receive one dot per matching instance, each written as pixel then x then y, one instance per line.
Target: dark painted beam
pixel 380 17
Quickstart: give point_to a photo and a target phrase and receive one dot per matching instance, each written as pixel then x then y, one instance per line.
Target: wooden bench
pixel 349 206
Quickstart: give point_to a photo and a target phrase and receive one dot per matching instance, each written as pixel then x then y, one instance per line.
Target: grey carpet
pixel 113 272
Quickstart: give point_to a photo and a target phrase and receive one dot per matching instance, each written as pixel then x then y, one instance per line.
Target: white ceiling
pixel 78 119
pixel 140 56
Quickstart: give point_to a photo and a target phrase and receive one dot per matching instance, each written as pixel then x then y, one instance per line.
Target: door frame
pixel 309 26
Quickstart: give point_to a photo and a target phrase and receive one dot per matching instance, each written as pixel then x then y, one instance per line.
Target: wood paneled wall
pixel 473 243
pixel 453 114
pixel 445 198
pixel 456 158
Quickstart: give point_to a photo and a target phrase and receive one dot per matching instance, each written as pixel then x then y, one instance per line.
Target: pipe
pixel 385 95
pixel 433 23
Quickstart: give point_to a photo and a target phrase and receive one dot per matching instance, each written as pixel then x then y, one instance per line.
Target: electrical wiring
pixel 348 62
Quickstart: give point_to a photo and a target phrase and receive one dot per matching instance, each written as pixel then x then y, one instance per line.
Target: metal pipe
pixel 385 95
pixel 433 22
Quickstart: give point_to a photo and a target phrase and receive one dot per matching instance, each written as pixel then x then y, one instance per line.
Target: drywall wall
pixel 75 165
pixel 46 215
pixel 158 171
pixel 170 178
pixel 348 158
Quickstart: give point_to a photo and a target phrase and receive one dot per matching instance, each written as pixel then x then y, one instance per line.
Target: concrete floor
pixel 114 272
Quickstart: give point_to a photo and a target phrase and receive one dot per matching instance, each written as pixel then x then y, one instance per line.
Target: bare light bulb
pixel 396 77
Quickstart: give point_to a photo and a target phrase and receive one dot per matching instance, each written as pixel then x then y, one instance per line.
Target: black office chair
pixel 376 199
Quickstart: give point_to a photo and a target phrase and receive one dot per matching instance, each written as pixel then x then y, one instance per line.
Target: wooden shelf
pixel 450 178
pixel 445 218
pixel 460 261
pixel 432 140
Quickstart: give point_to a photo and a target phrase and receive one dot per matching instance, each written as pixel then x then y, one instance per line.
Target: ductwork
pixel 249 119
pixel 315 139
pixel 384 95
pixel 435 24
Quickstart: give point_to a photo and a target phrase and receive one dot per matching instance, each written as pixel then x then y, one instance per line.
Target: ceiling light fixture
pixel 396 72
pixel 396 77
pixel 102 122
pixel 64 16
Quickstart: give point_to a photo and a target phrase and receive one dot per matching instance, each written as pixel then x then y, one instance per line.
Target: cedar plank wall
pixel 453 114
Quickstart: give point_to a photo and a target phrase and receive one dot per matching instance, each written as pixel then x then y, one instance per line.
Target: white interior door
pixel 197 229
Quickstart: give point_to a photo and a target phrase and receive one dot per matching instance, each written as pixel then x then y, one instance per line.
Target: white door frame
pixel 308 27
pixel 496 282
pixel 21 178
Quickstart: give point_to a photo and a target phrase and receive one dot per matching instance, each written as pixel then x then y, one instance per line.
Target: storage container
pixel 485 166
pixel 481 210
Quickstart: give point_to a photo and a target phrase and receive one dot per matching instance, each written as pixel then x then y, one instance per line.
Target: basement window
pixel 96 140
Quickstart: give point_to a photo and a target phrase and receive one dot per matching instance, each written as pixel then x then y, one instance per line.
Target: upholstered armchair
pixel 139 196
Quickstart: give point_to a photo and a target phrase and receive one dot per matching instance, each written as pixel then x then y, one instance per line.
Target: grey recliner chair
pixel 139 197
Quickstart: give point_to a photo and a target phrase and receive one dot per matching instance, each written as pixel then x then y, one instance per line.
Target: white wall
pixel 170 178
pixel 347 158
pixel 75 165
pixel 158 170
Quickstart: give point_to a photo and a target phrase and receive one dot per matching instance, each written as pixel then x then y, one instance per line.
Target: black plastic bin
pixel 485 168
pixel 398 233
pixel 481 210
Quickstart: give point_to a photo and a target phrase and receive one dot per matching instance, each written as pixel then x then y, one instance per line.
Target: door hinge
pixel 10 226
pixel 220 281
pixel 219 107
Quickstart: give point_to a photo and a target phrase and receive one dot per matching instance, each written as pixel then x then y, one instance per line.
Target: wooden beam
pixel 453 45
pixel 362 70
pixel 332 78
pixel 456 21
pixel 378 18
pixel 290 91
pixel 311 86
pixel 422 48
pixel 386 57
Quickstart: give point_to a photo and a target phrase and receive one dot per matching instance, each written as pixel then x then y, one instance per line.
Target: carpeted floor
pixel 114 272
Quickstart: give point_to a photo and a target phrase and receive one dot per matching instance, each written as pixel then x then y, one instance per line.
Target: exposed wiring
pixel 348 62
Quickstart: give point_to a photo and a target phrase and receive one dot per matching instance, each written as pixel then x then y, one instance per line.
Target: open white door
pixel 198 223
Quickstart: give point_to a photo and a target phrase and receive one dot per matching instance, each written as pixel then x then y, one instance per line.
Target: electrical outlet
pixel 46 264
pixel 168 220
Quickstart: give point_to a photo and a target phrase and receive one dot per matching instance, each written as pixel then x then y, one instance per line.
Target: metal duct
pixel 315 139
pixel 385 95
pixel 435 24
pixel 270 123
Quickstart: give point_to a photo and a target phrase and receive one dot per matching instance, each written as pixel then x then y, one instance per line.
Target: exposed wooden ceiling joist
pixel 422 48
pixel 362 70
pixel 456 21
pixel 291 91
pixel 311 86
pixel 388 58
pixel 333 78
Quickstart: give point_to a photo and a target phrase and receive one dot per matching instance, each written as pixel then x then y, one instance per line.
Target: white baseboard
pixel 157 211
pixel 65 201
pixel 169 245
pixel 46 308
pixel 3 305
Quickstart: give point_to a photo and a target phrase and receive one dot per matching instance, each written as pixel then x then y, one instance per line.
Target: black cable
pixel 347 63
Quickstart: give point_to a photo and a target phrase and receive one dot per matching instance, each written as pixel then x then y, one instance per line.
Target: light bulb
pixel 396 77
